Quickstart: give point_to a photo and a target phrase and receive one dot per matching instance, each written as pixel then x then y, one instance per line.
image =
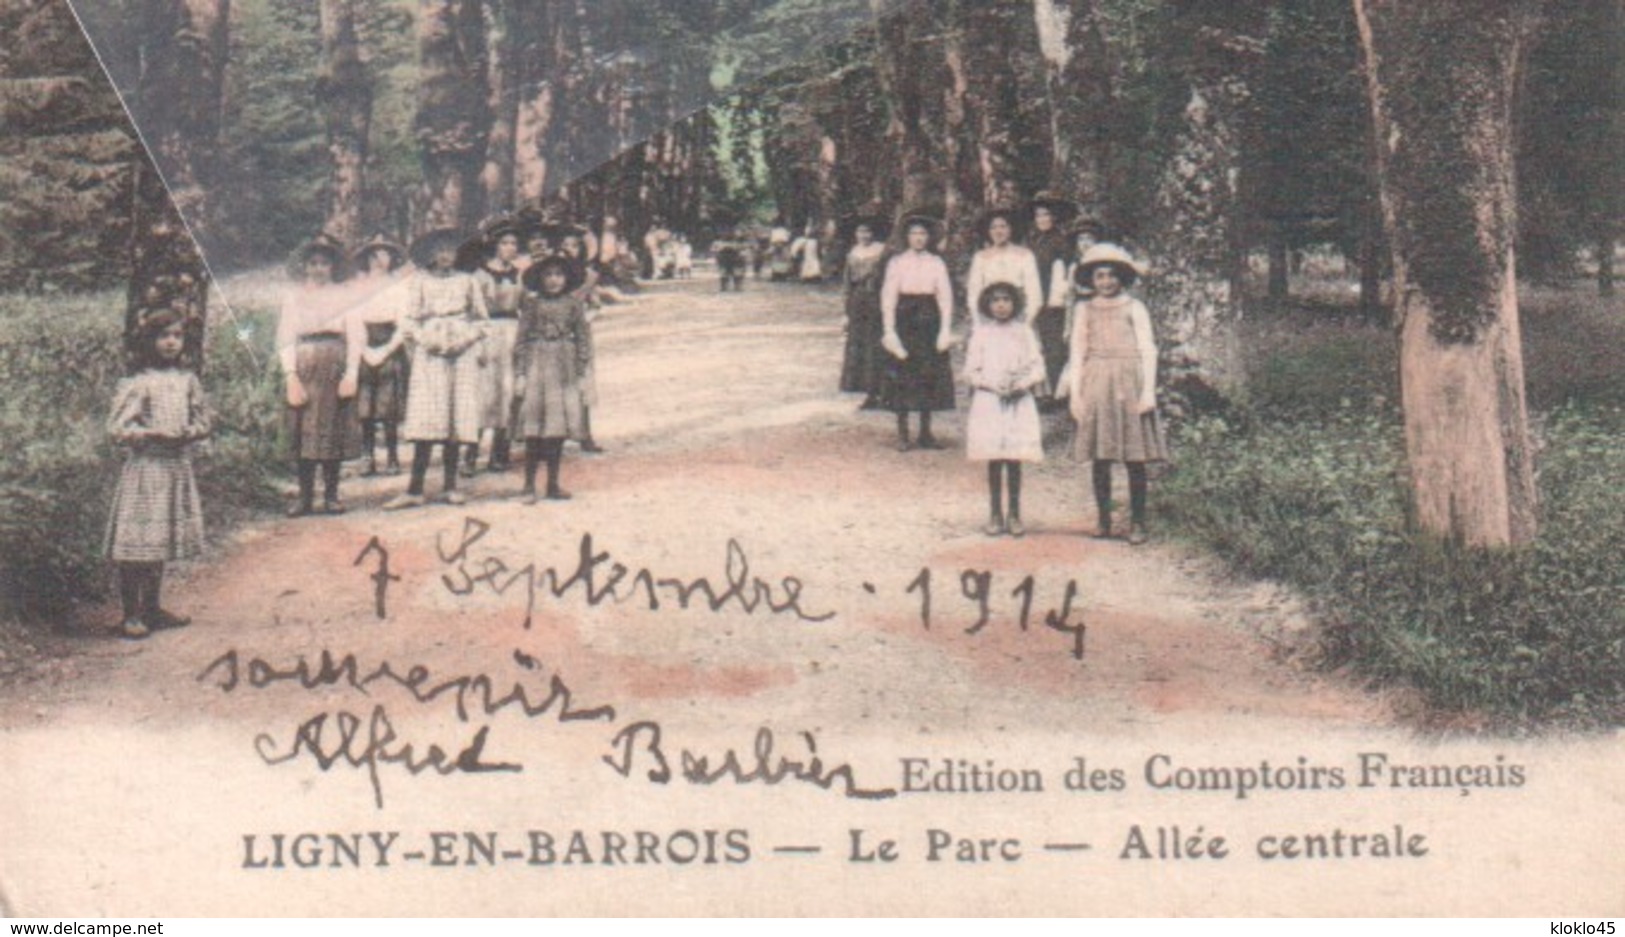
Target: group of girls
pixel 1051 325
pixel 481 339
pixel 435 356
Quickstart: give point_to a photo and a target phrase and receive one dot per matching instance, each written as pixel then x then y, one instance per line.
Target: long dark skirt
pixel 325 427
pixel 924 381
pixel 861 366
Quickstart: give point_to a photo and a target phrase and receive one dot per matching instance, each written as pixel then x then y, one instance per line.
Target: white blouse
pixel 1011 264
pixel 916 273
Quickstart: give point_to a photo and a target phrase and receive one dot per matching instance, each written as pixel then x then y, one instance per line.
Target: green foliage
pixel 64 156
pixel 1307 485
pixel 59 362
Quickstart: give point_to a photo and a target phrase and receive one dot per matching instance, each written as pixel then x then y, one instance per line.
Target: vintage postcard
pixel 811 457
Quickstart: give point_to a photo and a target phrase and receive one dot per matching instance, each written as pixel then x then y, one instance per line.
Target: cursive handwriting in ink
pixel 641 744
pixel 340 738
pixel 599 577
pixel 381 577
pixel 468 692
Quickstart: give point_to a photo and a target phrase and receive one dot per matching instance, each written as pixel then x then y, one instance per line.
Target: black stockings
pixel 307 480
pixel 1136 492
pixel 538 451
pixel 925 426
pixel 421 451
pixel 997 471
pixel 139 585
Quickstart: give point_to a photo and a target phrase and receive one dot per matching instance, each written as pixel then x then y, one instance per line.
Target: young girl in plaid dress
pixel 156 515
pixel 445 326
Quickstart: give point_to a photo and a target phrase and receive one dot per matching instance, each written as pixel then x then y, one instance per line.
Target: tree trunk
pixel 1605 265
pixel 183 59
pixel 452 119
pixel 989 34
pixel 1193 291
pixel 502 90
pixel 345 88
pixel 1280 269
pixel 1081 98
pixel 534 57
pixel 1443 114
pixel 900 70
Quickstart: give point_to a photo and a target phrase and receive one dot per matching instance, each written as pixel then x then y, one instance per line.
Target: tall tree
pixel 503 77
pixel 1071 36
pixel 534 62
pixel 183 60
pixel 345 89
pixel 453 118
pixel 1443 80
pixel 1194 242
pixel 65 155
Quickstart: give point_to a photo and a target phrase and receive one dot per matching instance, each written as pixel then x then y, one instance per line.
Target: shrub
pixel 1313 492
pixel 60 359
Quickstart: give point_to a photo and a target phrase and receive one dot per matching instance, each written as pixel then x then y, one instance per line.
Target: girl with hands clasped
pixel 156 515
pixel 1113 386
pixel 1004 366
pixel 917 306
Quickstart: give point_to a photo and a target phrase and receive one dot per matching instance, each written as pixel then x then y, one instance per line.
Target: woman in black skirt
pixel 917 306
pixel 860 367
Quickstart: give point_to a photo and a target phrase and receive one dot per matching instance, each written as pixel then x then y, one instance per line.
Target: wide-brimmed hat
pixel 1091 224
pixel 378 242
pixel 433 242
pixel 1109 255
pixel 531 279
pixel 1018 223
pixel 875 221
pixel 496 227
pixel 324 245
pixel 1060 206
pixel 932 221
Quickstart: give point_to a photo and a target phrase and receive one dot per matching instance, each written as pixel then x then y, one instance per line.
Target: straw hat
pixel 1110 255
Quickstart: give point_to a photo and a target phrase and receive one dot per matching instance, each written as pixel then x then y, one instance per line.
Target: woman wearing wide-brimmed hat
pixel 444 326
pixel 497 276
pixel 917 306
pixel 1113 383
pixel 1002 260
pixel 860 366
pixel 1048 240
pixel 319 345
pixel 381 392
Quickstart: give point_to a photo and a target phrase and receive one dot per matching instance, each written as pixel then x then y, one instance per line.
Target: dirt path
pixel 158 778
pixel 721 421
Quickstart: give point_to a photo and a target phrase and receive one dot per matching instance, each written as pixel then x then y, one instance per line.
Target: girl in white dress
pixel 1004 367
